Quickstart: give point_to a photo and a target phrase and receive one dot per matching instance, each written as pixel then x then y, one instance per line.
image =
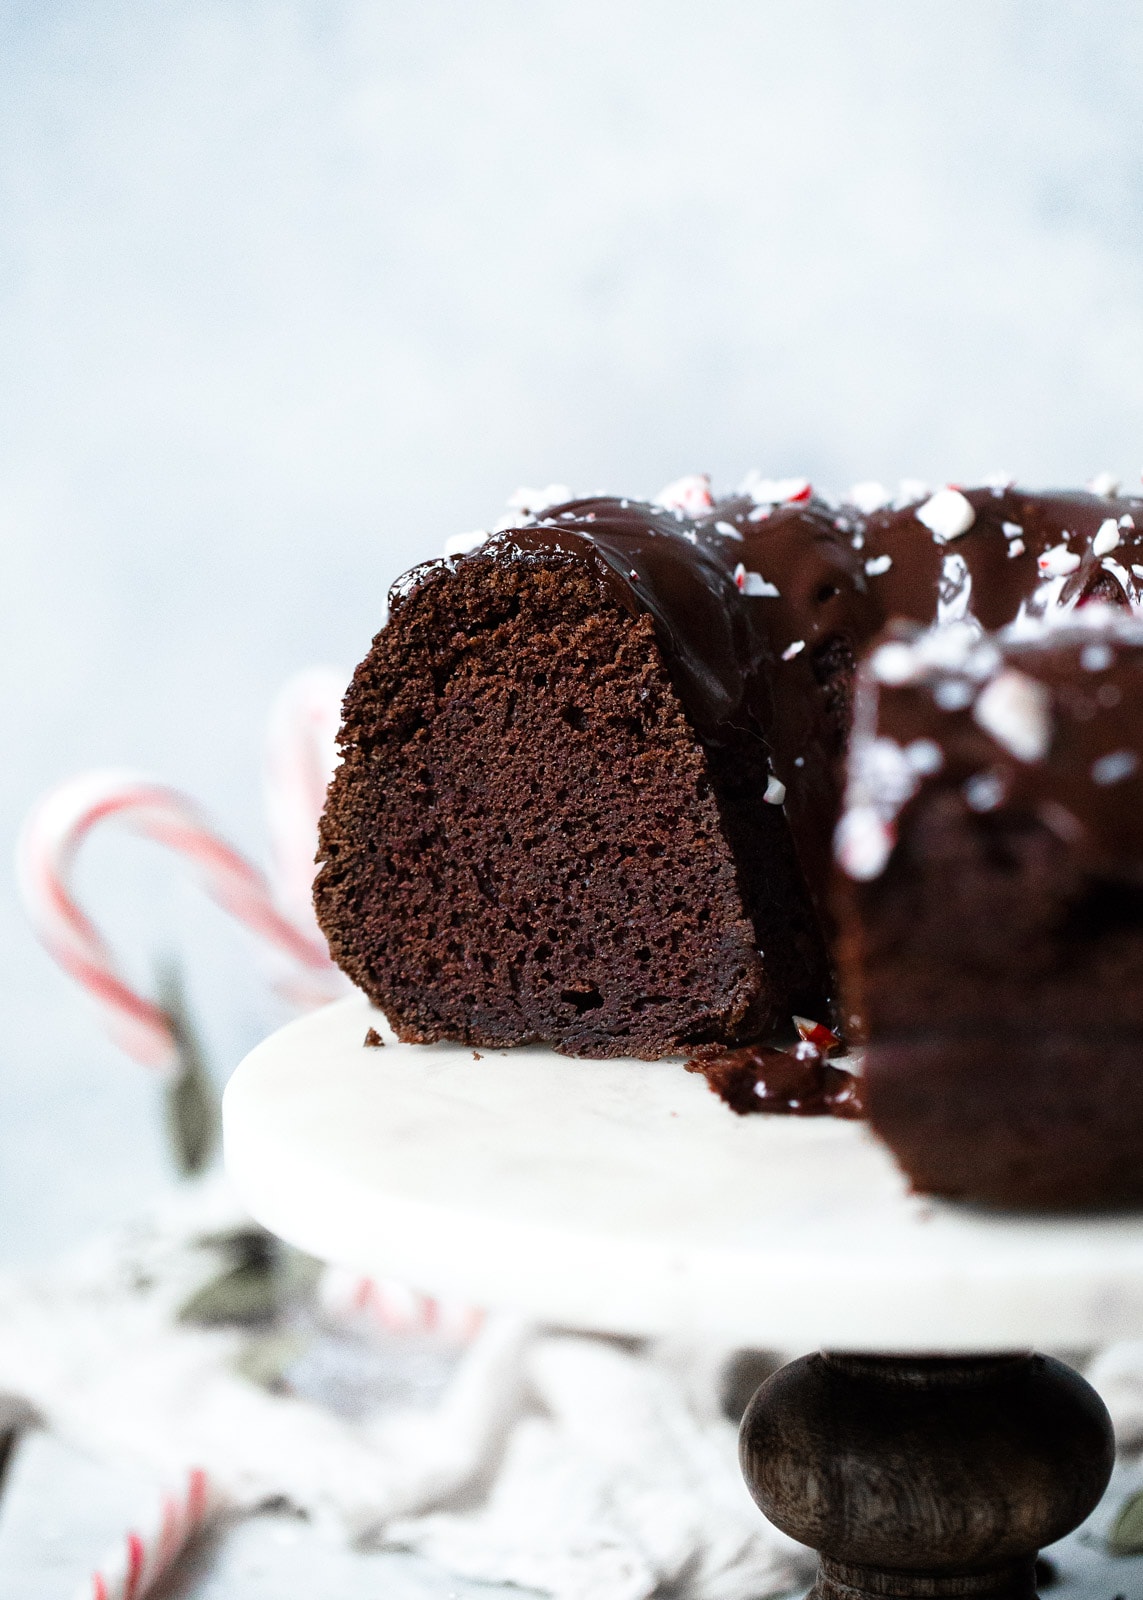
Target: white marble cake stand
pixel 623 1196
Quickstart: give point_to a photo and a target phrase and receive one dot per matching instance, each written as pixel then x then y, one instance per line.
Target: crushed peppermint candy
pixel 910 490
pixel 775 491
pixel 984 791
pixel 690 493
pixel 1104 483
pixel 1057 562
pixel 1016 711
pixel 1127 520
pixel 876 565
pixel 953 694
pixel 775 791
pixel 793 650
pixel 1016 548
pixel 463 544
pixel 947 514
pixel 753 583
pixel 1115 767
pixel 863 843
pixel 999 481
pixel 925 756
pixel 1107 539
pixel 954 590
pixel 816 1033
pixel 728 530
pixel 869 496
pixel 1011 530
pixel 1095 657
pixel 532 501
pixel 894 663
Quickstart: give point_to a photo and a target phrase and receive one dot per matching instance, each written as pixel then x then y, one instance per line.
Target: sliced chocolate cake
pixel 555 818
pixel 593 767
pixel 992 943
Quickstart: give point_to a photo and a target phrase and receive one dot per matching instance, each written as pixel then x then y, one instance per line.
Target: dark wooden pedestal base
pixel 926 1476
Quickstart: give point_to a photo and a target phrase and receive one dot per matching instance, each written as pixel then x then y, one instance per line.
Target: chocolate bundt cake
pixel 593 764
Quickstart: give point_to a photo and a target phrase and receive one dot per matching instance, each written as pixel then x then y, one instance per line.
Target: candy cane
pixel 347 1296
pixel 299 757
pixel 45 859
pixel 132 1570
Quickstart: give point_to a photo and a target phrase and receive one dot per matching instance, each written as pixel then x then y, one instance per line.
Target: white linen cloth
pixel 575 1465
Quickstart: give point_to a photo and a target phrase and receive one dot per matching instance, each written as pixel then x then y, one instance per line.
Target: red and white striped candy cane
pixel 395 1307
pixel 299 757
pixel 46 855
pixel 134 1568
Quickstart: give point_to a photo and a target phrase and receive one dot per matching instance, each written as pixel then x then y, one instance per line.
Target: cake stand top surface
pixel 624 1196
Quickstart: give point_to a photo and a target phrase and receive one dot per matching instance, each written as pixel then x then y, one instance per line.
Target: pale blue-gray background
pixel 291 290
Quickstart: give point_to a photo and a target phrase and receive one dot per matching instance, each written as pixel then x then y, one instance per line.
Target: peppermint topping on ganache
pixel 775 791
pixel 1057 562
pixel 1016 711
pixel 1104 483
pixel 883 777
pixel 532 501
pixel 728 531
pixel 869 497
pixel 1107 539
pixel 863 843
pixel 690 493
pixel 947 514
pixel 793 650
pixel 775 491
pixel 877 565
pixel 1115 767
pixel 753 583
pixel 463 544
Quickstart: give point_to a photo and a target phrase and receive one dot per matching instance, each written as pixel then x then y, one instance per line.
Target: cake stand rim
pixel 297 1152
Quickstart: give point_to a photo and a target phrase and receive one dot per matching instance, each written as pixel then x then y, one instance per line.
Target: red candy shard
pixel 816 1033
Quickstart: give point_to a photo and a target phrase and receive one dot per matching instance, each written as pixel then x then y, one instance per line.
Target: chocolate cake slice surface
pixel 528 840
pixel 992 909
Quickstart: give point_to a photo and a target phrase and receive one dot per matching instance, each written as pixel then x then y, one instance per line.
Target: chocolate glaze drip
pixel 797 1083
pixel 779 666
pixel 762 612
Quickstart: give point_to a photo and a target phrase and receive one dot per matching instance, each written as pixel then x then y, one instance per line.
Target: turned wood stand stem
pixel 926 1476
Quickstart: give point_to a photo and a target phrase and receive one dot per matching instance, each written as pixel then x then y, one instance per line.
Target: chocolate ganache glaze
pixel 762 610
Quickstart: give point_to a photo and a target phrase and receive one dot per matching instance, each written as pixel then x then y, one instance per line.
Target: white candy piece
pixel 1016 548
pixel 1057 562
pixel 1105 483
pixel 728 531
pixel 753 583
pixel 862 843
pixel 1115 767
pixel 894 663
pixel 876 565
pixel 775 792
pixel 533 501
pixel 793 650
pixel 774 491
pixel 463 544
pixel 910 490
pixel 1016 711
pixel 869 496
pixel 947 514
pixel 1107 539
pixel 691 493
